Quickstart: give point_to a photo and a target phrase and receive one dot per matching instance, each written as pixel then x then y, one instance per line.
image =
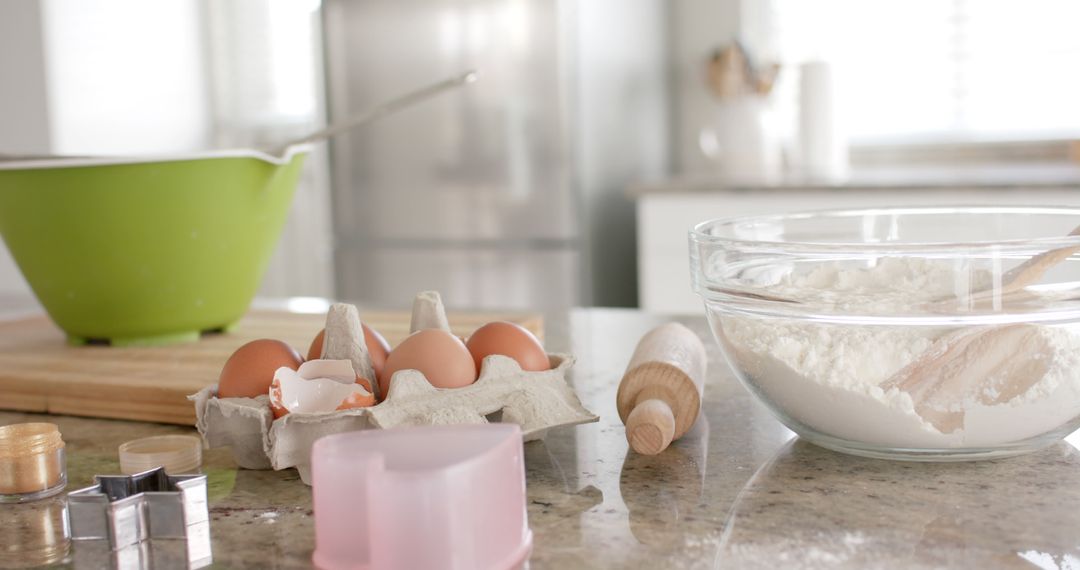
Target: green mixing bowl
pixel 146 251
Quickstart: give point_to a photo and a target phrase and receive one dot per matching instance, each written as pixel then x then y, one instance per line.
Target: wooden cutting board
pixel 39 372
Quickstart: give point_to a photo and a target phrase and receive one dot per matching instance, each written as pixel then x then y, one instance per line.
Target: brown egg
pixel 441 356
pixel 250 370
pixel 314 352
pixel 377 347
pixel 508 339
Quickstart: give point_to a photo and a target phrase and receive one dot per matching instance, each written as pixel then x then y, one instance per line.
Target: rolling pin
pixel 659 396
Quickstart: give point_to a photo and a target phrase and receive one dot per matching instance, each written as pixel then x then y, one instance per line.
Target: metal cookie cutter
pixel 128 509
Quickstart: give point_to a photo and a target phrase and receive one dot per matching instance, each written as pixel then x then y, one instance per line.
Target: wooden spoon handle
pixel 1016 279
pixel 1033 269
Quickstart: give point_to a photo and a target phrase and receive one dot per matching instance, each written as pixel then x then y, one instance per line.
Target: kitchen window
pixel 933 72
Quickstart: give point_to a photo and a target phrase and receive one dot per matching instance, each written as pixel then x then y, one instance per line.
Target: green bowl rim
pixel 82 161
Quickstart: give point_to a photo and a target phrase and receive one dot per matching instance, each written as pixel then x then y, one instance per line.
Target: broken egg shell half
pixel 319 386
pixel 377 347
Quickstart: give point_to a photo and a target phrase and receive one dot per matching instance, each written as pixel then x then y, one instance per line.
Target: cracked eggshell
pixel 319 386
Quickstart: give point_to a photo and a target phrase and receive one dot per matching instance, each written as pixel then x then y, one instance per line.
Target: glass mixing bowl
pixel 914 333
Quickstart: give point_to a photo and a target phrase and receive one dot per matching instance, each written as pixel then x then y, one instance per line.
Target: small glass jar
pixel 178 454
pixel 32 463
pixel 34 535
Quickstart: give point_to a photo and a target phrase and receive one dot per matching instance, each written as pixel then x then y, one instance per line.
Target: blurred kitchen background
pixel 598 133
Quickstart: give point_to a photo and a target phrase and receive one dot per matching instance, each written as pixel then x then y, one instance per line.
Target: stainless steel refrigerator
pixel 508 193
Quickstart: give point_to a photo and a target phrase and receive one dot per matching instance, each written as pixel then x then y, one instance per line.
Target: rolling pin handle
pixel 650 427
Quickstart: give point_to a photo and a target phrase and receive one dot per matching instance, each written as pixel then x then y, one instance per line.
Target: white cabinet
pixel 664 218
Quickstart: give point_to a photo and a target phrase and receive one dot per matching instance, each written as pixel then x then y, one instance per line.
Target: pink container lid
pixel 448 497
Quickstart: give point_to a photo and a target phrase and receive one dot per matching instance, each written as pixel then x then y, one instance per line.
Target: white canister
pixel 823 145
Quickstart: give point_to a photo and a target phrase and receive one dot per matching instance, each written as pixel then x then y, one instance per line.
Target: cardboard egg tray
pixel 536 401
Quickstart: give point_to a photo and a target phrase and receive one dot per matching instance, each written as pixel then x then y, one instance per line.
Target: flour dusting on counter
pixel 828 376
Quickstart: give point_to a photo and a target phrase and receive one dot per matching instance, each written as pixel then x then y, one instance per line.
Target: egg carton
pixel 536 401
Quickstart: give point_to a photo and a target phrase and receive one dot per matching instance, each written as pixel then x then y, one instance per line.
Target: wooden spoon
pixel 991 364
pixel 1019 277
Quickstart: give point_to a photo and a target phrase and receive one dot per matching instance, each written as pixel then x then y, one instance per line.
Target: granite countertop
pixel 738 491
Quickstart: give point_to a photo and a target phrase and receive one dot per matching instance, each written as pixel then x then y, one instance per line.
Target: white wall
pixel 24 124
pixel 125 76
pixel 11 281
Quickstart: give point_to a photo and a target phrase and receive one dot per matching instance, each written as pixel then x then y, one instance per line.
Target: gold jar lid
pixel 21 440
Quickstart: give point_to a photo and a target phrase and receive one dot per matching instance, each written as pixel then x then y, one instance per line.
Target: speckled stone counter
pixel 738 491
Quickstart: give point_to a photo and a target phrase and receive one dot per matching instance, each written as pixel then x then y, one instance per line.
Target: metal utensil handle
pixel 394 105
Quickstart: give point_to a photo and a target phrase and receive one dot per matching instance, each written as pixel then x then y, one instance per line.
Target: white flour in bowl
pixel 828 376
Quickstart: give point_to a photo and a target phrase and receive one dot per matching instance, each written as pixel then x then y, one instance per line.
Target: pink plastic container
pixel 448 497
